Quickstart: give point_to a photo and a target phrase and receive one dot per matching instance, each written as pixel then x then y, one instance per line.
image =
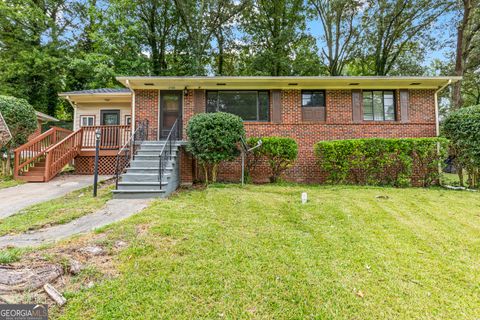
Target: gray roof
pixel 45 117
pixel 98 91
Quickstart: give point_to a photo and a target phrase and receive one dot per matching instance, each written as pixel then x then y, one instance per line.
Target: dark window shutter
pixel 404 104
pixel 357 106
pixel 199 101
pixel 276 106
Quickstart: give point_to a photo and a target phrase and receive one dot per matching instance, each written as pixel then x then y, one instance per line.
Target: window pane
pixel 367 105
pixel 313 99
pixel 212 101
pixel 263 106
pixel 389 105
pixel 249 105
pixel 378 113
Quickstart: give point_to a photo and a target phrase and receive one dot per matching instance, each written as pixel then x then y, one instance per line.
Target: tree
pixel 394 29
pixel 462 127
pixel 468 36
pixel 213 138
pixel 339 20
pixel 202 21
pixel 33 35
pixel 273 29
pixel 20 118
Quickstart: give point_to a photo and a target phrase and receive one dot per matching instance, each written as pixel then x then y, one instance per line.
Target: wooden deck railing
pixel 59 146
pixel 63 152
pixel 112 137
pixel 34 150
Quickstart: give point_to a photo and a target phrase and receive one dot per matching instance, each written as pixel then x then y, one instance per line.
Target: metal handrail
pixel 173 135
pixel 128 149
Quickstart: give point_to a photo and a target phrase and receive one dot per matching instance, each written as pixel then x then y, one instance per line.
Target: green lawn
pixel 7 182
pixel 58 211
pixel 256 252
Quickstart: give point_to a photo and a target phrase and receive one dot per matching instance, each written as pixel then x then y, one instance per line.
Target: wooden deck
pixel 45 156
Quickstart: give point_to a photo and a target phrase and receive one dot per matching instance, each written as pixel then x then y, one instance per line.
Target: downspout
pixel 133 105
pixel 437 116
pixel 74 113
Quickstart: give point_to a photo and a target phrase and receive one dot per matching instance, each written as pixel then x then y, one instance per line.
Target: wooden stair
pixel 36 173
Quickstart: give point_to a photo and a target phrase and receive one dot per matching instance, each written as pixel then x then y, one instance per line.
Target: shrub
pixel 280 152
pixel 21 120
pixel 213 138
pixel 462 127
pixel 381 161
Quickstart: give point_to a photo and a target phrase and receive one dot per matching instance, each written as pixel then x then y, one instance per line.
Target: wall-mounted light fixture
pixel 221 84
pixel 293 84
pixel 185 92
pixel 415 83
pixel 148 84
pixel 354 84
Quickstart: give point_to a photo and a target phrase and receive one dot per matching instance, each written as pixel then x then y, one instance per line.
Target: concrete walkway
pixel 16 198
pixel 114 210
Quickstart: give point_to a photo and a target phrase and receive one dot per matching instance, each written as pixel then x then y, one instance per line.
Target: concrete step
pixel 138 194
pixel 150 156
pixel 146 177
pixel 140 163
pixel 141 185
pixel 147 170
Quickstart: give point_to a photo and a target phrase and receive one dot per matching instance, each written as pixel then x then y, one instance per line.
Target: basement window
pixel 379 105
pixel 248 105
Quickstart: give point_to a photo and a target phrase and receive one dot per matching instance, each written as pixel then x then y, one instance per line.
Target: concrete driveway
pixel 16 198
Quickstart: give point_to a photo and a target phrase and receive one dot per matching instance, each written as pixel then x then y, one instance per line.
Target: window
pixel 313 99
pixel 248 105
pixel 86 121
pixel 378 105
pixel 128 120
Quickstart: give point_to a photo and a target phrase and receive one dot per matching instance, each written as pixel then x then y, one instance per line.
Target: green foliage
pixel 381 161
pixel 462 127
pixel 280 152
pixel 213 138
pixel 20 118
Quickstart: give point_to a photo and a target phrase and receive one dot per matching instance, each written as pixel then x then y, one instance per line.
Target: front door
pixel 170 110
pixel 110 135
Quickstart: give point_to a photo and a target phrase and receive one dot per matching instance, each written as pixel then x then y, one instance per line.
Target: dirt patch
pixel 72 266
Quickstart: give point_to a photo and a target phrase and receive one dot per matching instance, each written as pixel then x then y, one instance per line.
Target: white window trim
pixel 87 117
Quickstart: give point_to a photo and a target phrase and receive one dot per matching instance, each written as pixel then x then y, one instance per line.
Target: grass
pixel 450 179
pixel 57 211
pixel 7 182
pixel 256 252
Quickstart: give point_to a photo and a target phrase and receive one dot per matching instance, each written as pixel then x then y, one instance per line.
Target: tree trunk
pixel 214 172
pixel 460 54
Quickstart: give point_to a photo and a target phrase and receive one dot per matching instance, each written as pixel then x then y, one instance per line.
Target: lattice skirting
pixel 106 165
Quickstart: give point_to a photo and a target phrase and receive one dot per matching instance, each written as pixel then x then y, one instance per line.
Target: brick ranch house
pixel 307 109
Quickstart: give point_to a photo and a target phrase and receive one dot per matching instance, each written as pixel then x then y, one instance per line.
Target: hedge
pixel 280 153
pixel 396 162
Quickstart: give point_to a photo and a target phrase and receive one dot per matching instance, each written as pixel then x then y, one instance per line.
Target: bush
pixel 462 127
pixel 381 161
pixel 280 153
pixel 21 120
pixel 213 138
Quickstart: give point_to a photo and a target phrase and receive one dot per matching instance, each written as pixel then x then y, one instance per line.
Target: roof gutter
pixel 437 117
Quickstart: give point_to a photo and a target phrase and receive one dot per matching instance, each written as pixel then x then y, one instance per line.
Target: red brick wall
pixel 338 125
pixel 147 108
